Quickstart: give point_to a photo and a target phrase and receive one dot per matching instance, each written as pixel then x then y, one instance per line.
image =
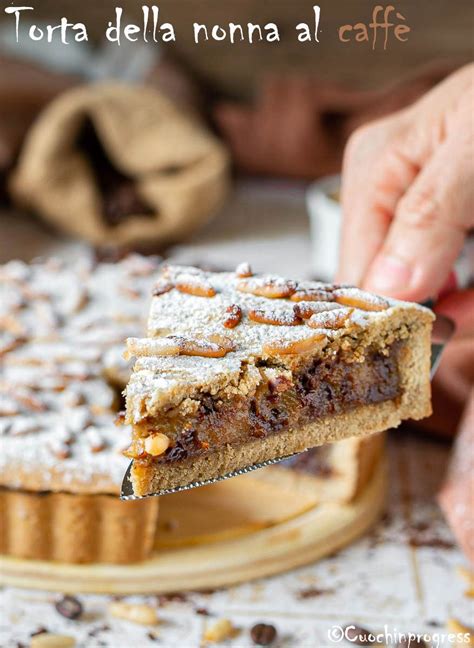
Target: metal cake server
pixel 443 330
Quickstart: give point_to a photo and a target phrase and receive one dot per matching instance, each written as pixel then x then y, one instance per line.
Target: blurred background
pixel 215 153
pixel 256 124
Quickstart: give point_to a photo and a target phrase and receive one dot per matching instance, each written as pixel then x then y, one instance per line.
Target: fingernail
pixel 389 274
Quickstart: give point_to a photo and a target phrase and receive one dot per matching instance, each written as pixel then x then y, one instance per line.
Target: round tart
pixel 62 327
pixel 62 332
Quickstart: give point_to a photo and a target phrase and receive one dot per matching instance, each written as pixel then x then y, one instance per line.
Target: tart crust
pixel 76 528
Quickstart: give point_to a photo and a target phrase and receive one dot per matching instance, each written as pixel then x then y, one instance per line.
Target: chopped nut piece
pixel 9 343
pixel 30 402
pixel 203 348
pixel 137 347
pixel 60 449
pixel 270 287
pixel 95 439
pixel 306 309
pixel 76 300
pixel 49 640
pixel 222 340
pixel 156 444
pixel 312 294
pixel 175 345
pixel 120 418
pixel 243 270
pixel 162 287
pixel 194 285
pixel 136 613
pixel 9 324
pixel 234 315
pixel 276 318
pixel 219 631
pixel 129 291
pixel 360 299
pixel 335 319
pixel 136 450
pixel 20 426
pixel 296 346
pixel 9 407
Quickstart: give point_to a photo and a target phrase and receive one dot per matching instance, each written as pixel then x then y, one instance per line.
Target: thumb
pixel 430 224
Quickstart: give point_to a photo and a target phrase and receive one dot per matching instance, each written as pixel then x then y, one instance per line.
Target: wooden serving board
pixel 230 552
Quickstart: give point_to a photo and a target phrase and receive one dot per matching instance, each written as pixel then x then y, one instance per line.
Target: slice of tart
pixel 237 369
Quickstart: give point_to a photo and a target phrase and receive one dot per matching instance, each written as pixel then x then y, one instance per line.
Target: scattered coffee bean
pixel 434 624
pixel 358 635
pixel 69 607
pixel 152 636
pixel 263 634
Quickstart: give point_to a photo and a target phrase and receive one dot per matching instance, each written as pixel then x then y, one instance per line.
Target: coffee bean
pixel 152 636
pixel 263 634
pixel 69 607
pixel 358 635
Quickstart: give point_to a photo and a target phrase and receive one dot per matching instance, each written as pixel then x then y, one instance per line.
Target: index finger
pixel 376 173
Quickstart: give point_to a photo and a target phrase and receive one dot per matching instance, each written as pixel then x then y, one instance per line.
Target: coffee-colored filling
pixel 323 388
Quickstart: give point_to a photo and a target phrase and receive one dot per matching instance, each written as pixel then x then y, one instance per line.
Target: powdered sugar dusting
pixel 269 320
pixel 61 327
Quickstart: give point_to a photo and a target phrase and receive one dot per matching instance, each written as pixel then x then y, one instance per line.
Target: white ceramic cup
pixel 325 222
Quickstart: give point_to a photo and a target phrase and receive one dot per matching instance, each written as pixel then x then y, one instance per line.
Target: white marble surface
pixel 380 580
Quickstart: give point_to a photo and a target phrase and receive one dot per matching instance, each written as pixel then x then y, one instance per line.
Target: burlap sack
pixel 25 88
pixel 119 164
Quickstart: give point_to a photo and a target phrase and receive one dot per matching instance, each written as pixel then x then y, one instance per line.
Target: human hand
pixel 408 193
